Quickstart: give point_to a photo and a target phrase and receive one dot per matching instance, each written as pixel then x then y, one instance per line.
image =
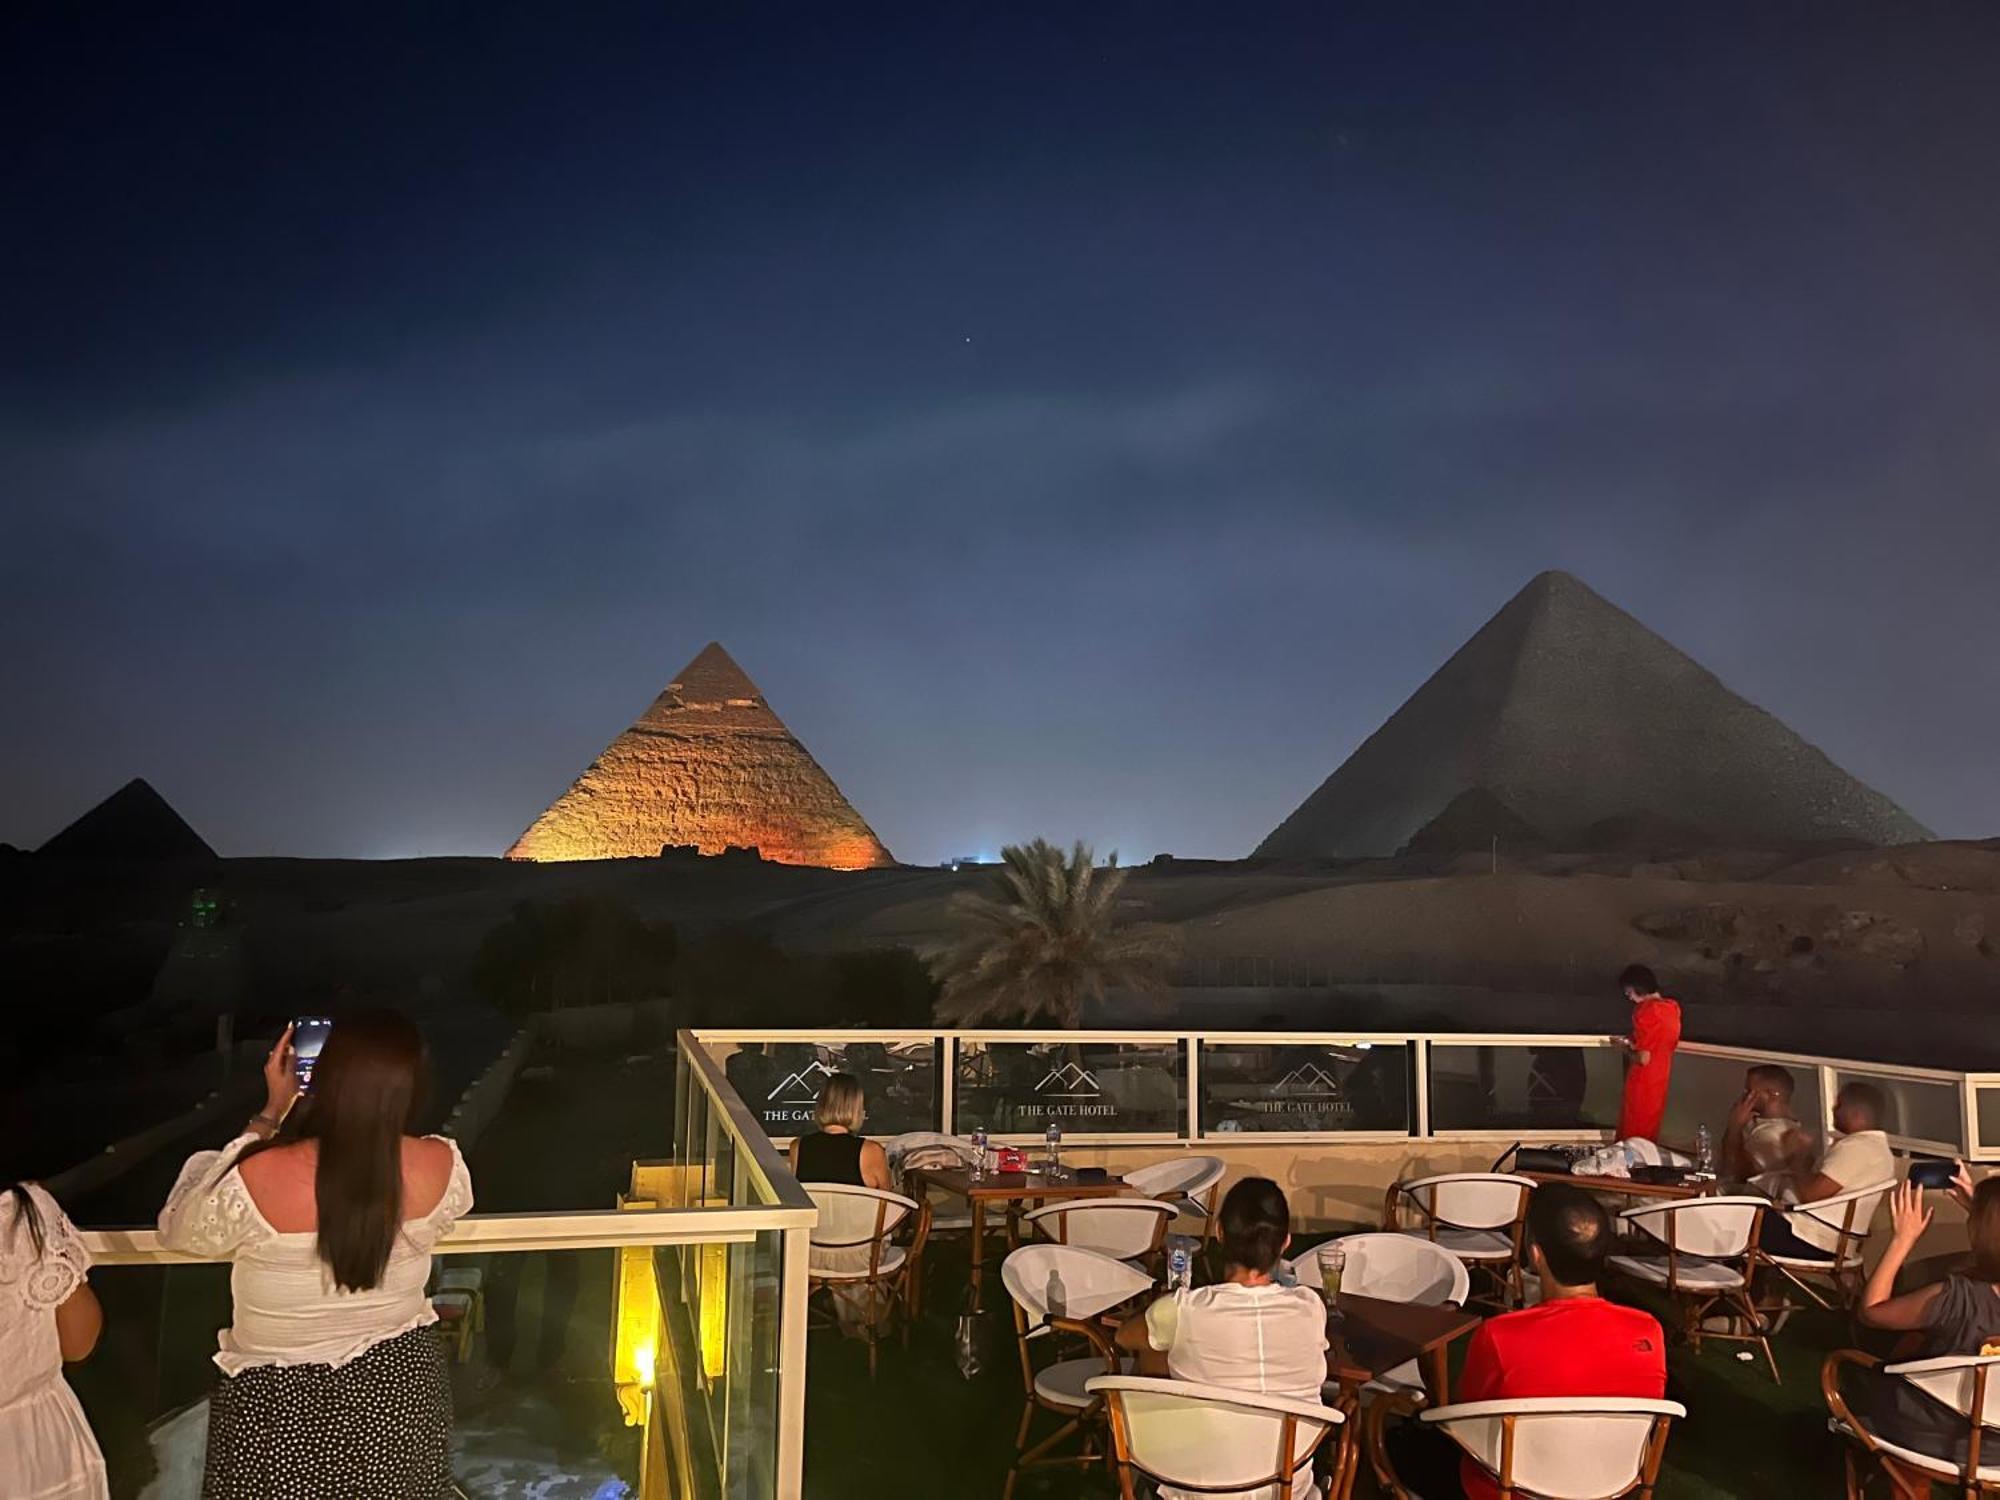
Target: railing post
pixel 1420 1048
pixel 1191 1120
pixel 792 1368
pixel 948 1082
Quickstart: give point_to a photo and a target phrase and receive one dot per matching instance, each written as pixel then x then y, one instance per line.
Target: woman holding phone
pixel 332 1382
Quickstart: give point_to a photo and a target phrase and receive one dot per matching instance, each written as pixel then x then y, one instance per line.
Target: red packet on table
pixel 1009 1159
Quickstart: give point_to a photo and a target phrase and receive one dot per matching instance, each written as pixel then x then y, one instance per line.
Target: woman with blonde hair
pixel 837 1151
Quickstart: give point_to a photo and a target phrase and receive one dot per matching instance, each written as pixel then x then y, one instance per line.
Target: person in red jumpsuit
pixel 1656 1032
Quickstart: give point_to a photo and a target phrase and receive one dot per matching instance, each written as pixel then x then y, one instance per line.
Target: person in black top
pixel 837 1151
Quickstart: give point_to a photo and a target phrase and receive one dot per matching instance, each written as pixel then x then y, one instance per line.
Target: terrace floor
pixel 920 1428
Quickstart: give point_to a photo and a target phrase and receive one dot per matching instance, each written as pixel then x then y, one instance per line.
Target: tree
pixel 1047 938
pixel 586 950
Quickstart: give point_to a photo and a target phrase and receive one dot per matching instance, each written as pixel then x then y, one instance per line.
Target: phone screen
pixel 308 1037
pixel 1932 1172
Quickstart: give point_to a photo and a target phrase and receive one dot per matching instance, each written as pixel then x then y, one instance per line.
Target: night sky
pixel 1086 420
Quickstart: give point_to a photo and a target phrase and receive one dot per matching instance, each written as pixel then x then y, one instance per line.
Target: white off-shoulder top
pixel 288 1310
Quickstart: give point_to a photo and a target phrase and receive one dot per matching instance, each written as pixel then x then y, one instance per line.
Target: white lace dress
pixel 47 1451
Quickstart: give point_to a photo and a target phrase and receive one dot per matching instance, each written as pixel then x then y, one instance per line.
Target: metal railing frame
pixel 785 1209
pixel 946 1044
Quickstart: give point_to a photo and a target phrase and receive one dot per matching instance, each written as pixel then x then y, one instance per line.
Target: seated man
pixel 1574 1343
pixel 1858 1157
pixel 1246 1332
pixel 1764 1139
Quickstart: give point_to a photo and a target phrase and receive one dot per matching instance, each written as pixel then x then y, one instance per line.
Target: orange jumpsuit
pixel 1656 1031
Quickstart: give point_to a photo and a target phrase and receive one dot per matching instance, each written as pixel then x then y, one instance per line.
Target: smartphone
pixel 308 1037
pixel 1932 1172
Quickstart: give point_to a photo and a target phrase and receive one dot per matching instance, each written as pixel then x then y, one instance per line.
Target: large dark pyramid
pixel 708 766
pixel 135 822
pixel 1570 712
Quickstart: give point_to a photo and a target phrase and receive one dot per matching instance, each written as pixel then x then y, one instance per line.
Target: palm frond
pixel 1046 938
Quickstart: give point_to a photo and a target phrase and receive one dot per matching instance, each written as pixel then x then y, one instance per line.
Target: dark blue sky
pixel 1087 420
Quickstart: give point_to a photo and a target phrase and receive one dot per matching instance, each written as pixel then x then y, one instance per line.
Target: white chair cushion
pixel 1470 1244
pixel 1802 1263
pixel 1566 1448
pixel 892 1257
pixel 1689 1274
pixel 1988 1473
pixel 1068 1282
pixel 1061 1384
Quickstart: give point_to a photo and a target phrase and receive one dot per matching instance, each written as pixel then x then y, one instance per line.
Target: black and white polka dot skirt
pixel 375 1428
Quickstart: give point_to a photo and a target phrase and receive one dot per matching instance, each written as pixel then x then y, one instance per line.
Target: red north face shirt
pixel 1575 1346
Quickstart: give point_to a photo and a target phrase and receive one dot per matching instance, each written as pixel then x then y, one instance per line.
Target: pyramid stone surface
pixel 1569 711
pixel 709 766
pixel 134 822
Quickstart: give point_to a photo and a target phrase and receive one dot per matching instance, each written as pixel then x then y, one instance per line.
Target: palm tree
pixel 1047 938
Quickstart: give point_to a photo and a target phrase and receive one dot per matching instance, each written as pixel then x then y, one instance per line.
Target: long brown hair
pixel 367 1088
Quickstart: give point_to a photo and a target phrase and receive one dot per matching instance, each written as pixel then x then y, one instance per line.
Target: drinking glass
pixel 1332 1261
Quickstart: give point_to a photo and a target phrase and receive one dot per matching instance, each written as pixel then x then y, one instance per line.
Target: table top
pixel 1007 1185
pixel 1370 1337
pixel 1629 1187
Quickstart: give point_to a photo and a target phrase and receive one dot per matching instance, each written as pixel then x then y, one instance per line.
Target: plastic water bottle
pixel 1180 1270
pixel 979 1153
pixel 1053 1136
pixel 1704 1151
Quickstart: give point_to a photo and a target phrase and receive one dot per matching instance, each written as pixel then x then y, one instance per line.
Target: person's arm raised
pixel 1879 1307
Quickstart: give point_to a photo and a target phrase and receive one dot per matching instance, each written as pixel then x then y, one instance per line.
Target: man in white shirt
pixel 1859 1157
pixel 1246 1332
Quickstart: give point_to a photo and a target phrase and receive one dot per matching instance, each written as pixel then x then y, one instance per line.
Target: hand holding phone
pixel 281 1081
pixel 308 1035
pixel 1932 1172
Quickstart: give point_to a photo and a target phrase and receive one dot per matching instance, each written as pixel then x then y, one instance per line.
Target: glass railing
pixel 1183 1086
pixel 647 1349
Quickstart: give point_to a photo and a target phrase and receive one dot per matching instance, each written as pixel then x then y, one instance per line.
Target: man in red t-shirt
pixel 1656 1031
pixel 1573 1344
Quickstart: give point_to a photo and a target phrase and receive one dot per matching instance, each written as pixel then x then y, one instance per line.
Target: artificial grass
pixel 920 1428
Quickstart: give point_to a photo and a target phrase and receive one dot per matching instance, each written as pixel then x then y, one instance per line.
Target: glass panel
pixel 780 1081
pixel 1928 1109
pixel 1988 1100
pixel 1488 1087
pixel 1323 1086
pixel 527 1344
pixel 1706 1088
pixel 719 1335
pixel 1100 1088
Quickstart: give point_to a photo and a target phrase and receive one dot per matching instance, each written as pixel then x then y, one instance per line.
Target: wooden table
pixel 1629 1189
pixel 1371 1337
pixel 1010 1188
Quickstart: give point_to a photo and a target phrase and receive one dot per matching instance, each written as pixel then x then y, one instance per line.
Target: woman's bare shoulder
pixel 428 1161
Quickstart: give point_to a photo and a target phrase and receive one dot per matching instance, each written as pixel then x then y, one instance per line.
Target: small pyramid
pixel 136 823
pixel 1570 712
pixel 708 766
pixel 1474 820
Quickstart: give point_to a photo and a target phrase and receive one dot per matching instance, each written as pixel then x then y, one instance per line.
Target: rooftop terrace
pixel 660 1347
